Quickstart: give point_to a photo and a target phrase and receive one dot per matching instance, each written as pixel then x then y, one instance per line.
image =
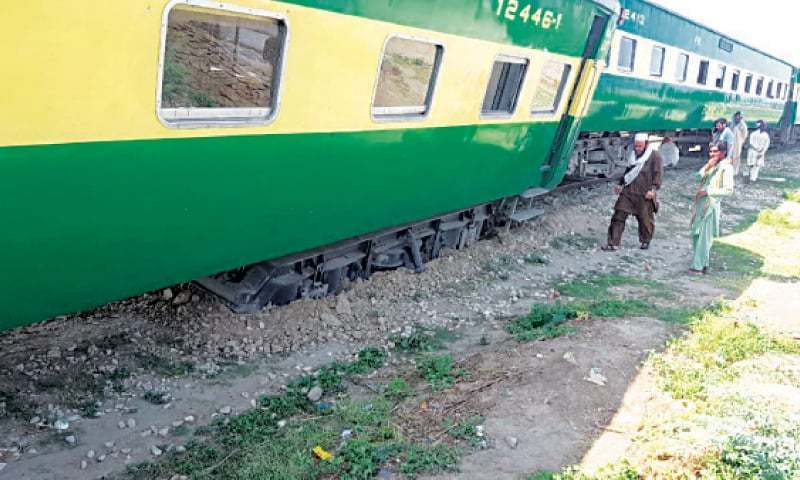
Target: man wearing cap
pixel 637 194
pixel 759 144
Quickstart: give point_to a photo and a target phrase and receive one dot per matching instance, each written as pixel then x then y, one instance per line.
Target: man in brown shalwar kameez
pixel 637 194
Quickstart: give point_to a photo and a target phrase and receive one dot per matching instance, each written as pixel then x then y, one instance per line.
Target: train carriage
pixel 669 75
pixel 147 143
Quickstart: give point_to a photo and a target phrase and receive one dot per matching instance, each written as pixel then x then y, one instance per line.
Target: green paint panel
pixel 85 224
pixel 653 22
pixel 479 19
pixel 629 104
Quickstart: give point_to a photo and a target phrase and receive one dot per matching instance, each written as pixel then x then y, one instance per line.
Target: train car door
pixel 554 166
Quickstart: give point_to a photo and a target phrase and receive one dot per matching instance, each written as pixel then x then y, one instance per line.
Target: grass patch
pixel 545 321
pixel 734 268
pixel 596 287
pixel 792 195
pixel 466 430
pixel 780 221
pixel 277 439
pixel 397 390
pixel 439 371
pixel 422 340
pixel 156 398
pixel 691 365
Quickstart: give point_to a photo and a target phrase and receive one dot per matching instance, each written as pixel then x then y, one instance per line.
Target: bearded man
pixel 637 192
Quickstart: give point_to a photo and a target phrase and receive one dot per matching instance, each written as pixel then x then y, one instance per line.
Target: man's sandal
pixel 609 248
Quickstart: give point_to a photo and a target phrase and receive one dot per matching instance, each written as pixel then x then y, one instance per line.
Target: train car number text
pixel 538 17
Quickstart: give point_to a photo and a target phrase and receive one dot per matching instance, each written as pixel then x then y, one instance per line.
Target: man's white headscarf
pixel 638 163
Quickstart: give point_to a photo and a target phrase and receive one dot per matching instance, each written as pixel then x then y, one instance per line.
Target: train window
pixel 627 54
pixel 779 93
pixel 760 86
pixel 657 61
pixel 220 67
pixel 702 75
pixel 505 84
pixel 721 70
pixel 737 74
pixel 770 93
pixel 682 68
pixel 407 77
pixel 550 90
pixel 748 83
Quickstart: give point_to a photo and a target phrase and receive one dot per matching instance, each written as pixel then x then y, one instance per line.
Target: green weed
pixel 397 390
pixel 545 321
pixel 430 460
pixel 439 371
pixel 466 430
pixel 156 398
pixel 792 195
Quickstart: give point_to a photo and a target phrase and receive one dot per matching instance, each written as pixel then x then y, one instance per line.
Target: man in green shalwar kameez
pixel 716 181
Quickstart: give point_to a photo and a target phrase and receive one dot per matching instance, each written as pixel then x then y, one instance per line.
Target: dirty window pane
pixel 748 83
pixel 504 87
pixel 551 87
pixel 406 78
pixel 627 54
pixel 682 68
pixel 702 75
pixel 657 61
pixel 220 60
pixel 721 71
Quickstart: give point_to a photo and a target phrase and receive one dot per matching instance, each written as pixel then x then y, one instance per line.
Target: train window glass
pixel 779 93
pixel 702 75
pixel 748 83
pixel 760 86
pixel 407 77
pixel 682 68
pixel 627 54
pixel 721 70
pixel 737 74
pixel 551 87
pixel 770 93
pixel 220 66
pixel 657 61
pixel 505 84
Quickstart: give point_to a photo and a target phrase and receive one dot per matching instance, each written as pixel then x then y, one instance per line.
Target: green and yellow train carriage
pixel 146 143
pixel 671 76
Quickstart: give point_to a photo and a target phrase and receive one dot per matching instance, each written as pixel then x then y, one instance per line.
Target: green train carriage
pixel 148 143
pixel 671 76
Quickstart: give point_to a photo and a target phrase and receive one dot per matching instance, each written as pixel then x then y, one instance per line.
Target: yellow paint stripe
pixel 86 71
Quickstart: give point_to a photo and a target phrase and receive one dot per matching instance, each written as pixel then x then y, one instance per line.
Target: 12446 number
pixel 547 19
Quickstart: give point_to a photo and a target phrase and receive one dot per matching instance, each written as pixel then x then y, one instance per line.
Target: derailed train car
pixel 148 143
pixel 671 76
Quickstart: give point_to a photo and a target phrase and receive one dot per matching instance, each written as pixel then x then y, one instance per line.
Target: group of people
pixel 638 189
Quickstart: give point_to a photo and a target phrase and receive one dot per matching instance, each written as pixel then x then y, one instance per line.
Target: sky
pixel 769 25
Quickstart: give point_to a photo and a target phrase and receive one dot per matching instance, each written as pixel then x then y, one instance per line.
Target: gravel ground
pixel 84 395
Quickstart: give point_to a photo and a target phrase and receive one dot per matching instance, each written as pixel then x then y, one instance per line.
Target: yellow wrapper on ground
pixel 322 454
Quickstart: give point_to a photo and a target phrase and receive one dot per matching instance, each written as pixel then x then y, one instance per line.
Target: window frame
pixel 660 73
pixel 507 58
pixel 221 117
pixel 704 74
pixel 771 89
pixel 722 74
pixel 683 76
pixel 566 81
pixel 736 80
pixel 408 113
pixel 760 86
pixel 633 54
pixel 748 83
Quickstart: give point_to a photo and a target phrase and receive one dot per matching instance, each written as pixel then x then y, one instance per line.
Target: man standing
pixel 637 194
pixel 739 138
pixel 722 133
pixel 757 153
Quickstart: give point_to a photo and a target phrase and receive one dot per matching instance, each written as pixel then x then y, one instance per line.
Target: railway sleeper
pixel 323 272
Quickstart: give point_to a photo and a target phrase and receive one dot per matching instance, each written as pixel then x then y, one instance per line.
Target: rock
pixel 156 451
pixel 281 423
pixel 101 458
pixel 35 420
pixel 182 298
pixel 121 424
pixel 596 377
pixel 84 464
pixel 163 432
pixel 226 410
pixel 180 449
pixel 90 454
pixel 343 306
pixel 167 294
pixel 131 423
pixel 512 442
pixel 479 430
pixel 70 439
pixel 61 425
pixel 177 423
pixel 109 444
pixel 188 418
pixel 570 357
pixel 179 477
pixel 315 393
